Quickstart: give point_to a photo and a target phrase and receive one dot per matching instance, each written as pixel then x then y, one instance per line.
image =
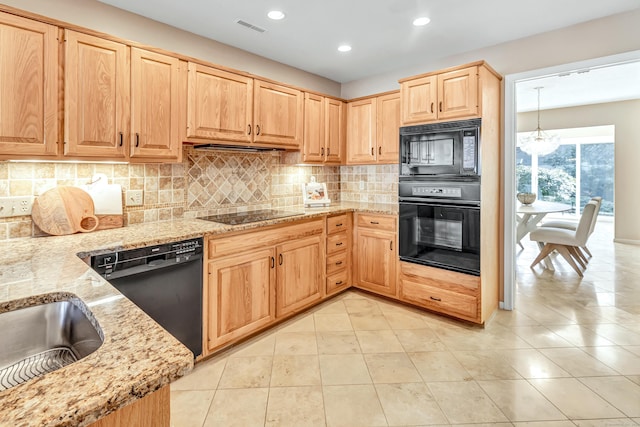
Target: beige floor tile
pixel 531 363
pixel 369 322
pixel 362 305
pixel 334 306
pixel 306 323
pixel 619 391
pixel 295 406
pixel 619 358
pixel 296 343
pixel 409 404
pixel 577 362
pixel 205 376
pixel 540 337
pixel 189 408
pixel 612 422
pixel 406 320
pixel 465 402
pixel 486 365
pixel 635 349
pixel 520 401
pixel 580 335
pixel 332 322
pixel 544 424
pixel 513 318
pixel 238 408
pixel 297 370
pixel 574 399
pixel 344 369
pixel 619 334
pixel 379 342
pixel 247 372
pixel 260 346
pixel 391 368
pixel 439 366
pixel 352 405
pixel 416 340
pixel 634 378
pixel 337 342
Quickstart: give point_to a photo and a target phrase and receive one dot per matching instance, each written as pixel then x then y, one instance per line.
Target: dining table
pixel 529 216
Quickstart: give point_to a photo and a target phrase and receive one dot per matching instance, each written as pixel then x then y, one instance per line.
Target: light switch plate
pixel 134 198
pixel 15 206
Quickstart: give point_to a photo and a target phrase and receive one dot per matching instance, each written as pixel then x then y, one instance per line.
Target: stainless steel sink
pixel 43 338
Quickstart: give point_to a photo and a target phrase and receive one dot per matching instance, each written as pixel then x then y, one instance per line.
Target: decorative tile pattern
pixel 379 183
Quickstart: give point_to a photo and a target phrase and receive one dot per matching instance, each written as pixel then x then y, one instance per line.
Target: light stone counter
pixel 137 357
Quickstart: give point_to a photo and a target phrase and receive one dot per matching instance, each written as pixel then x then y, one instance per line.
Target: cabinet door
pixel 96 98
pixel 219 104
pixel 240 295
pixel 314 138
pixel 361 131
pixel 375 260
pixel 28 87
pixel 334 130
pixel 419 100
pixel 299 277
pixel 155 113
pixel 278 115
pixel 458 93
pixel 388 128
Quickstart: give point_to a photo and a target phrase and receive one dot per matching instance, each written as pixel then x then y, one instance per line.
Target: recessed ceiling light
pixel 419 22
pixel 276 15
pixel 344 48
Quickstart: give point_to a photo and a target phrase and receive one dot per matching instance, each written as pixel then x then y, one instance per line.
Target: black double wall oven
pixel 439 195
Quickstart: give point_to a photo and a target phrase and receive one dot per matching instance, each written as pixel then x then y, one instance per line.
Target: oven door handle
pixel 444 203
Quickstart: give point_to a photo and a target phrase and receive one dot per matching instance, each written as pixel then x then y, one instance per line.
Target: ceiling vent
pixel 250 26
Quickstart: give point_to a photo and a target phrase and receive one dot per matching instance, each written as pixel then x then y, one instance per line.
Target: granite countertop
pixel 137 357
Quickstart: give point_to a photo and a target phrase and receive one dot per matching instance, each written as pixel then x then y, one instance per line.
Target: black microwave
pixel 441 149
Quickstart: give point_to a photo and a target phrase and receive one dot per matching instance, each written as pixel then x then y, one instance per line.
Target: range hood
pixel 227 147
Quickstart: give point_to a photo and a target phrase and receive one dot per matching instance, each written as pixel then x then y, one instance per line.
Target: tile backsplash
pixel 205 183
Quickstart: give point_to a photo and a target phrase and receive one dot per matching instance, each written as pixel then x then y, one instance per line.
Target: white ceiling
pixel 380 31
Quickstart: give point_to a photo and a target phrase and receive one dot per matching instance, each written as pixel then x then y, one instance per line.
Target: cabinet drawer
pixel 337 242
pixel 337 281
pixel 456 304
pixel 219 246
pixel 378 222
pixel 337 262
pixel 338 223
pixel 439 278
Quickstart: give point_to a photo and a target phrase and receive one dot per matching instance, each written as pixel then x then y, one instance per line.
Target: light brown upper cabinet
pixel 440 96
pixel 372 129
pixel 120 102
pixel 323 130
pixel 28 88
pixel 227 107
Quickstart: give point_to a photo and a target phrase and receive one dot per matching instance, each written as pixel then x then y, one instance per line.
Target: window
pixel 581 168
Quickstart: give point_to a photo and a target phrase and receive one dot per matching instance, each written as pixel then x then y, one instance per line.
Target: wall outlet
pixel 15 206
pixel 134 198
pixel 361 185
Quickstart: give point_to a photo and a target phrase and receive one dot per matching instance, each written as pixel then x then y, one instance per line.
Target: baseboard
pixel 627 241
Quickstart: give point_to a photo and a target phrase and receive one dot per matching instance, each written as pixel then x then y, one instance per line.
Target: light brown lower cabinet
pixel 153 410
pixel 375 253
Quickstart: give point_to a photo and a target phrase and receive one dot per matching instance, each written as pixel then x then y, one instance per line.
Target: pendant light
pixel 539 142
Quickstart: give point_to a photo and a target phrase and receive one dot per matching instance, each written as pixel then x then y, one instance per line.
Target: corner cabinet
pixel 29 83
pixel 372 130
pixel 324 128
pixel 375 253
pixel 441 96
pixel 231 108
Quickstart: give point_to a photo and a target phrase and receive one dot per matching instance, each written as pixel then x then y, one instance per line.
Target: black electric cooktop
pixel 251 216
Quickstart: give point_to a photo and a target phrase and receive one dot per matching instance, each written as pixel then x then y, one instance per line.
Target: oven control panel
pixel 427 191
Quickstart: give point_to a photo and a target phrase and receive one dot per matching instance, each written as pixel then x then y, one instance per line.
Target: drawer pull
pixel 273 262
pixel 435 298
pixel 280 259
pixel 339 225
pixel 339 282
pixel 374 222
pixel 339 244
pixel 339 263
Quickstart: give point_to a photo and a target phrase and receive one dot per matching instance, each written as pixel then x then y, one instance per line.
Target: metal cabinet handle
pixel 273 262
pixel 339 225
pixel 432 107
pixel 339 244
pixel 435 298
pixel 257 129
pixel 339 263
pixel 328 150
pixel 372 151
pixel 440 106
pixel 248 129
pixel 137 139
pixel 322 151
pixel 374 222
pixel 280 259
pixel 390 245
pixel 380 150
pixel 121 138
pixel 339 282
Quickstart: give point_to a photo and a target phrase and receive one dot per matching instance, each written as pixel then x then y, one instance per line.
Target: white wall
pixel 624 116
pixel 108 19
pixel 601 37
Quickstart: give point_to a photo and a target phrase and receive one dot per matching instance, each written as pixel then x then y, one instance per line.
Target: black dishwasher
pixel 165 281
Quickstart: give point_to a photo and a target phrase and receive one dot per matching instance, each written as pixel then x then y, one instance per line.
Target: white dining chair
pixel 569 225
pixel 566 242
